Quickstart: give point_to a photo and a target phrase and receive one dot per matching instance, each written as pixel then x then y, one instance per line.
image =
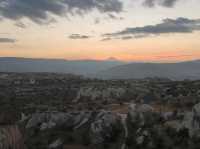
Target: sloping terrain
pixel 108 69
pixel 176 71
pixel 80 67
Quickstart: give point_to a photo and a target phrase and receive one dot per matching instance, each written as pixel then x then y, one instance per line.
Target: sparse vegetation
pixel 69 111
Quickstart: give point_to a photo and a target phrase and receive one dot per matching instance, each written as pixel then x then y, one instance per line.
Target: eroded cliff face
pixel 142 127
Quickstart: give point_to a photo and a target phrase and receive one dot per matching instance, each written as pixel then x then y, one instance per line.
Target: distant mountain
pixel 81 67
pixel 176 71
pixel 108 69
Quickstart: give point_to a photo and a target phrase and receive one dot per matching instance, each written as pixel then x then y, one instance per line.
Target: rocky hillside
pixel 64 111
pixel 43 91
pixel 142 127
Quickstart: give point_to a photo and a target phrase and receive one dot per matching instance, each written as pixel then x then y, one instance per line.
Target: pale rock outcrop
pixel 35 120
pixel 56 144
pixel 93 93
pixel 139 113
pixel 50 120
pixel 102 126
pixel 190 121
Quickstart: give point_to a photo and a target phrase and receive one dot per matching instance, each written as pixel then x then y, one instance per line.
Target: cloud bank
pixel 164 3
pixel 7 40
pixel 168 26
pixel 41 11
pixel 79 36
pixel 20 25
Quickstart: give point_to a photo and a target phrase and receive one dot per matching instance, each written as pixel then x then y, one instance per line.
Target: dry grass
pixel 117 108
pixel 163 108
pixel 123 109
pixel 13 138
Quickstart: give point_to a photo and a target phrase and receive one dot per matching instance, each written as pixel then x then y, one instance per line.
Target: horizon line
pixel 101 60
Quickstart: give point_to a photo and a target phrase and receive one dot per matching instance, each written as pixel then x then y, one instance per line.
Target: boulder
pixel 102 128
pixel 48 120
pixel 35 120
pixel 140 114
pixel 191 121
pixel 57 144
pixel 81 119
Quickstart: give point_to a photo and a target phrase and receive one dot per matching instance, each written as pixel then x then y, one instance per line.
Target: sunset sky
pixel 129 30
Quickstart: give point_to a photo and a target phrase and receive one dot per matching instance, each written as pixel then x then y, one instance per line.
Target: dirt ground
pixel 123 109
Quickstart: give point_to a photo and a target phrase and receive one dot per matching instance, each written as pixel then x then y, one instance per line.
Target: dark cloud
pixel 179 25
pixel 79 36
pixel 7 40
pixel 106 39
pixel 164 3
pixel 96 21
pixel 112 16
pixel 141 36
pixel 115 17
pixel 127 37
pixel 39 10
pixel 20 24
pixel 168 3
pixel 109 17
pixel 4 33
pixel 149 3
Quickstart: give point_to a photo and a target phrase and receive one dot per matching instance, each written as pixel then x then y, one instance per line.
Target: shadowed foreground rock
pixel 10 134
pixel 141 128
pixel 11 138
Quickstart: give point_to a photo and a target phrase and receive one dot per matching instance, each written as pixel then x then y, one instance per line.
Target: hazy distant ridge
pixel 12 64
pixel 178 71
pixel 108 69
